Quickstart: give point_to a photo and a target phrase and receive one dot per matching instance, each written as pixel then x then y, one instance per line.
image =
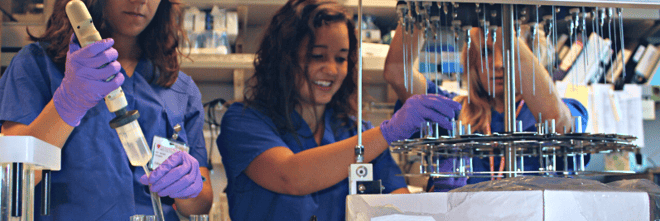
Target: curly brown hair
pixel 159 41
pixel 275 86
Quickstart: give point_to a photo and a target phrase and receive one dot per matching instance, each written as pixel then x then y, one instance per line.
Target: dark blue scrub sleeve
pixel 245 134
pixel 25 87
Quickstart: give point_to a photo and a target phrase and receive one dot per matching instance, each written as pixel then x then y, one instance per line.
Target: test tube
pixel 138 217
pixel 552 126
pixel 194 218
pixel 578 124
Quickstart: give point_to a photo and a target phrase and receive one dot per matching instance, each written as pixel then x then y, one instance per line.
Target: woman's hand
pixel 417 110
pixel 84 82
pixel 178 177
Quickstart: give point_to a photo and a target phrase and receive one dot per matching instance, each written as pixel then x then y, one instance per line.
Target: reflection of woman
pixel 484 111
pixel 288 147
pixel 53 90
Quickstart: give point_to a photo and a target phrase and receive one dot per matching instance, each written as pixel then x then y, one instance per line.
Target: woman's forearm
pixel 48 126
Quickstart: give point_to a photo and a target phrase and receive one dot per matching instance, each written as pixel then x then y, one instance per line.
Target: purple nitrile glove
pixel 445 184
pixel 416 110
pixel 177 177
pixel 84 83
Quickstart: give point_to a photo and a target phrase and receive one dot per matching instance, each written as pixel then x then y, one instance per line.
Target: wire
pixel 214 126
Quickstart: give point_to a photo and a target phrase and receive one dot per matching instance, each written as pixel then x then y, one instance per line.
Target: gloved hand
pixel 416 110
pixel 445 184
pixel 177 177
pixel 84 85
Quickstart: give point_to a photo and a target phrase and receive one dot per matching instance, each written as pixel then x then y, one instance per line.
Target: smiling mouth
pixel 323 85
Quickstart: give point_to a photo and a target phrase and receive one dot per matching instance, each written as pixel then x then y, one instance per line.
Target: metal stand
pixel 21 156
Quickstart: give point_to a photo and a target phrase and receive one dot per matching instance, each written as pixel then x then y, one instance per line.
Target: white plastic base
pixel 359 172
pixel 29 150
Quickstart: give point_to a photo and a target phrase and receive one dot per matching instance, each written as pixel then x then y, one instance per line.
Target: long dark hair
pixel 159 41
pixel 275 87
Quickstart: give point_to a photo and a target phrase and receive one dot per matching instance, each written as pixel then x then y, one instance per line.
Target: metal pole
pixel 359 149
pixel 6 176
pixel 508 36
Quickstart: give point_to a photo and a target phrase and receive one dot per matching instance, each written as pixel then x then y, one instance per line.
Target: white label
pixel 639 53
pixel 162 149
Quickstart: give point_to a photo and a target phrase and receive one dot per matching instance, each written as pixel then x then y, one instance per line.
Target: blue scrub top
pixel 246 133
pixel 497 126
pixel 96 180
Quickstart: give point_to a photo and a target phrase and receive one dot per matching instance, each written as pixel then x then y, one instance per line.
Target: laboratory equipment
pixel 201 217
pixel 360 174
pixel 21 156
pixel 125 122
pixel 547 144
pixel 137 217
pixel 602 18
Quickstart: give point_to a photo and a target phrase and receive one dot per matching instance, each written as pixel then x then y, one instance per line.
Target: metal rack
pixel 514 145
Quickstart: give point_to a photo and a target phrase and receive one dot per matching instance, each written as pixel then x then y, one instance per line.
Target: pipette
pixel 125 122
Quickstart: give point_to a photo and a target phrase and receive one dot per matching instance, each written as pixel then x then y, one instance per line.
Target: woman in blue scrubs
pixel 485 107
pixel 287 148
pixel 53 90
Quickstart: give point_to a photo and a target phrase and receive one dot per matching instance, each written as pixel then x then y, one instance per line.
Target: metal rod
pixel 623 65
pixel 486 30
pixel 535 49
pixel 517 26
pixel 435 20
pixel 359 149
pixel 616 50
pixel 469 44
pixel 494 30
pixel 27 198
pixel 442 65
pixel 585 36
pixel 655 4
pixel 481 56
pixel 17 170
pixel 45 192
pixel 554 42
pixel 509 85
pixel 5 191
pixel 404 30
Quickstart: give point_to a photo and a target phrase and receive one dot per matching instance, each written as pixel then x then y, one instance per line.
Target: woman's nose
pixel 330 67
pixel 498 62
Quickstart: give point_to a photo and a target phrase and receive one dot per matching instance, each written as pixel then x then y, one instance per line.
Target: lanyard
pixel 491 159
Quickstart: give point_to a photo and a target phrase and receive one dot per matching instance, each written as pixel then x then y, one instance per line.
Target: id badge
pixel 162 148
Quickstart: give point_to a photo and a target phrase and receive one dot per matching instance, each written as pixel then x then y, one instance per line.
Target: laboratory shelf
pixel 261 11
pixel 220 68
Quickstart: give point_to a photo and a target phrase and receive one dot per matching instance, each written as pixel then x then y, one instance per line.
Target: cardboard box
pixel 547 205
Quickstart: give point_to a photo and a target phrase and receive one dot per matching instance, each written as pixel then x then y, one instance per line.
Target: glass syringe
pixel 135 146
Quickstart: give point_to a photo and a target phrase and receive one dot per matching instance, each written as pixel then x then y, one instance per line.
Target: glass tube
pixel 28 192
pixel 138 217
pixel 5 191
pixel 139 154
pixel 155 199
pixel 194 218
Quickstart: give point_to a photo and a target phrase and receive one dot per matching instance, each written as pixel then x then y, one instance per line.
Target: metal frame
pixel 596 3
